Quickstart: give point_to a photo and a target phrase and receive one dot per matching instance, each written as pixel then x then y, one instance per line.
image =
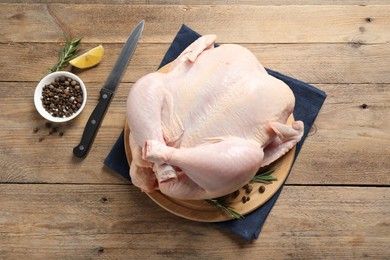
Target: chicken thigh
pixel 204 128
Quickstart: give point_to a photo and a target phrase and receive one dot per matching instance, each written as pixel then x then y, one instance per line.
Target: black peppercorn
pixel 244 199
pixel 248 189
pixel 262 189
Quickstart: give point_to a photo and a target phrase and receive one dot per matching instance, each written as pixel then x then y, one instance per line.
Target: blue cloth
pixel 308 103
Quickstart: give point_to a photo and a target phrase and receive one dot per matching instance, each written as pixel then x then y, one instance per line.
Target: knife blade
pixel 107 92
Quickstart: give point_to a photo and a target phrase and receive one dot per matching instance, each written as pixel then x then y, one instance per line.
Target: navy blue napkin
pixel 309 101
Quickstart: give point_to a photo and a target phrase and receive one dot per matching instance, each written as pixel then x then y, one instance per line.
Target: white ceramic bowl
pixel 47 80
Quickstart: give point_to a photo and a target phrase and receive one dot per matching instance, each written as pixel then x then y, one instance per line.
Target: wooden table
pixel 336 202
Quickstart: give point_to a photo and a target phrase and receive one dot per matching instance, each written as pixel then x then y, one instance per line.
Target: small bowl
pixel 46 81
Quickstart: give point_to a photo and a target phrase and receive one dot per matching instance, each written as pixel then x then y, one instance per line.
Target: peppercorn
pixel 244 199
pixel 262 189
pixel 248 189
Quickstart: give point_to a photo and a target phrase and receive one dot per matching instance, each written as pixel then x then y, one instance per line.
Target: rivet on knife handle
pixel 93 124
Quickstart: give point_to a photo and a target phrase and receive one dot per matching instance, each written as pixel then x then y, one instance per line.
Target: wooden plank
pixel 205 2
pixel 240 23
pixel 312 63
pixel 31 18
pixel 114 221
pixel 336 201
pixel 145 60
pixel 43 157
pixel 344 132
pixel 350 139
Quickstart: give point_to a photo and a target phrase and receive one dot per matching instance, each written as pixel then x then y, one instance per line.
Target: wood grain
pixel 343 134
pixel 350 138
pixel 342 128
pixel 118 222
pixel 335 203
pixel 205 2
pixel 312 63
pixel 252 24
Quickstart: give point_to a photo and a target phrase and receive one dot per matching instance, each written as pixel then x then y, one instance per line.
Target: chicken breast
pixel 204 128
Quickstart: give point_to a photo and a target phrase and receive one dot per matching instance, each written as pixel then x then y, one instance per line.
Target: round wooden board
pixel 200 210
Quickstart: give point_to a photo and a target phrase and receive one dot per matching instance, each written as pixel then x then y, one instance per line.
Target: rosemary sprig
pixel 67 53
pixel 224 208
pixel 264 177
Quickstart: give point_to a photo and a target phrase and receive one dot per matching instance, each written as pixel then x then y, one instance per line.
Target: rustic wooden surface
pixel 336 200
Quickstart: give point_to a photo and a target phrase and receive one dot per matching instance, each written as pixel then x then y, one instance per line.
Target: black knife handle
pixel 93 124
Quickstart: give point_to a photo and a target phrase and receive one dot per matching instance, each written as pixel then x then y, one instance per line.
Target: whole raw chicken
pixel 203 129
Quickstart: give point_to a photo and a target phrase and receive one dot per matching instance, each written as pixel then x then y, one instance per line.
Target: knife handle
pixel 93 124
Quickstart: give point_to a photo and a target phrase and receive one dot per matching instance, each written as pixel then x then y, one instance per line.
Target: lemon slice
pixel 88 59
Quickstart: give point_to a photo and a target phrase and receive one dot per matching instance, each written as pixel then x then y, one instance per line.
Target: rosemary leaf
pixel 264 177
pixel 224 208
pixel 67 53
pixel 266 173
pixel 260 180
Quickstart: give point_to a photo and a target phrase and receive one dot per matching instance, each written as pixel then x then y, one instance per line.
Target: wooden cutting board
pixel 200 210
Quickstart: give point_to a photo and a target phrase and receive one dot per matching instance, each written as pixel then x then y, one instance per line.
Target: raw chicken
pixel 203 129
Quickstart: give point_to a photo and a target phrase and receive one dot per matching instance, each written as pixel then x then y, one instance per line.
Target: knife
pixel 107 92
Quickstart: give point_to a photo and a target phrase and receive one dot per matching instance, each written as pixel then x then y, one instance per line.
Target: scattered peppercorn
pixel 244 199
pixel 53 129
pixel 62 97
pixel 262 189
pixel 248 189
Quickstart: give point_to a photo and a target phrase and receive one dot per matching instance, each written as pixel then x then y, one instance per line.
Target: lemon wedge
pixel 88 59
